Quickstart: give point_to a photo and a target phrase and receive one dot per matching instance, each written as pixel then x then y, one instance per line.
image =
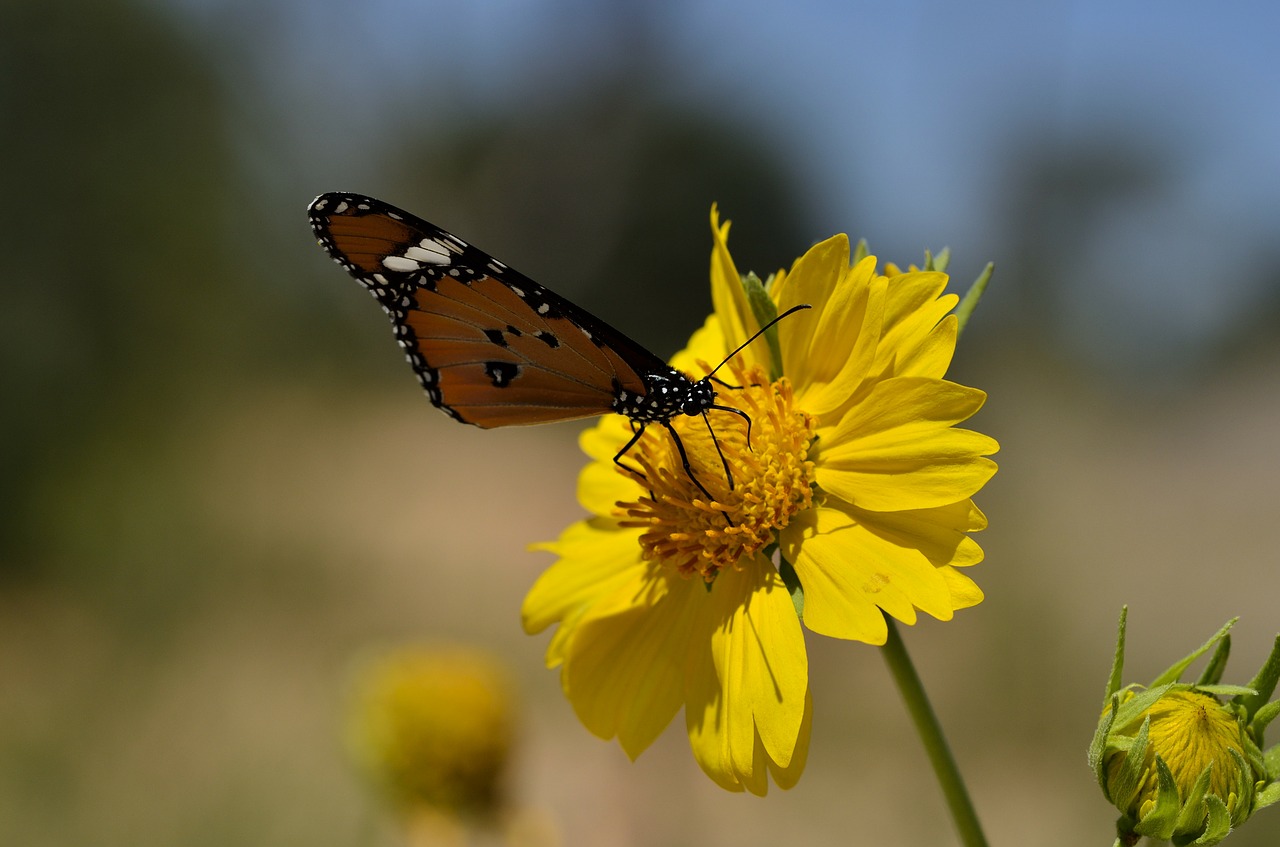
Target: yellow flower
pixel 851 499
pixel 432 726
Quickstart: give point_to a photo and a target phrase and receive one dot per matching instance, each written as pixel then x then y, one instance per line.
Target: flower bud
pixel 1183 762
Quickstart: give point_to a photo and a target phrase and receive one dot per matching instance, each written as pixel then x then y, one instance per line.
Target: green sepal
pixel 1133 708
pixel 1099 743
pixel 1117 663
pixel 792 582
pixel 1218 825
pixel 1224 690
pixel 1128 779
pixel 970 300
pixel 1244 788
pixel 1162 820
pixel 860 251
pixel 764 310
pixel 1269 794
pixel 1176 669
pixel 1264 684
pixel 1271 761
pixel 939 262
pixel 1257 767
pixel 1212 673
pixel 1263 718
pixel 1192 814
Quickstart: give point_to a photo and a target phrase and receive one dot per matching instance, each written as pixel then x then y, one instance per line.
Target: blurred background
pixel 222 487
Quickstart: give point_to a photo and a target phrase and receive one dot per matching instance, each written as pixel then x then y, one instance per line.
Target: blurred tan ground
pixel 336 525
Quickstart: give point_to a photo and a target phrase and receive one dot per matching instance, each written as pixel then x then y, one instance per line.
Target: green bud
pixel 1183 762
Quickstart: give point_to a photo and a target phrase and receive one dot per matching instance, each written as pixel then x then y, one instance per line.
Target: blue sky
pixel 897 119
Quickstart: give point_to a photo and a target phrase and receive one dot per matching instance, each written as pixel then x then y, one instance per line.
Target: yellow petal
pixel 737 321
pixel 596 556
pixel 786 776
pixel 964 591
pixel 625 669
pixel 847 571
pixel 747 688
pixel 813 279
pixel 897 449
pixel 931 355
pixel 842 348
pixel 940 533
pixel 912 343
pixel 601 486
pixel 603 440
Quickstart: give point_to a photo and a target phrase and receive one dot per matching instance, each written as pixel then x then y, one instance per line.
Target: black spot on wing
pixel 501 373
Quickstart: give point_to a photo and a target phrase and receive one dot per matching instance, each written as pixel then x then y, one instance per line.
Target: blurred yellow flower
pixel 432 727
pixel 851 500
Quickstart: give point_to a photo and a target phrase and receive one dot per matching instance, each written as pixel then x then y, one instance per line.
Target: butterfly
pixel 491 347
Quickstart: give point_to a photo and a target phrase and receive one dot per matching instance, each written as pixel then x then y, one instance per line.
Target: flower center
pixel 771 478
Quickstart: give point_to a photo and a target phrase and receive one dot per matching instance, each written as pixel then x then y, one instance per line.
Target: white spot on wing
pixel 340 208
pixel 400 263
pixel 428 251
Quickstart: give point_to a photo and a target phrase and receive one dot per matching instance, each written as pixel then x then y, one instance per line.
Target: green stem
pixel 935 744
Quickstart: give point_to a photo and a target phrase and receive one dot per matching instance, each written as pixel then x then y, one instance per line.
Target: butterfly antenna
pixel 759 333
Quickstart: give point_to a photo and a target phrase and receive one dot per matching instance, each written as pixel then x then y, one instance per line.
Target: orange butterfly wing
pixel 490 346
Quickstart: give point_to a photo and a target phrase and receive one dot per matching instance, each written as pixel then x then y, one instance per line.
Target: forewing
pixel 490 346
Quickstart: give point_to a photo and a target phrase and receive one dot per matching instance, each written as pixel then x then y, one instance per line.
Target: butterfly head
pixel 698 397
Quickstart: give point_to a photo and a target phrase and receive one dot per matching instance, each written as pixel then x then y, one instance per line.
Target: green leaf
pixel 970 300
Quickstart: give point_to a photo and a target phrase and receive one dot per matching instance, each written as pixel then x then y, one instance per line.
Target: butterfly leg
pixel 684 460
pixel 636 432
pixel 728 474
